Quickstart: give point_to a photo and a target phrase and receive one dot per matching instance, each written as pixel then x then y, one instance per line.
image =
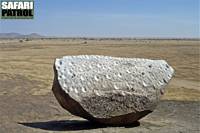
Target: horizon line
pixel 39 35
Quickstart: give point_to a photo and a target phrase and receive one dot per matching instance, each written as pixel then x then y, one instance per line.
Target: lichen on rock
pixel 110 90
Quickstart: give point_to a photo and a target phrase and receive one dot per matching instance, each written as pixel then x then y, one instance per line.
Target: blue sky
pixel 110 18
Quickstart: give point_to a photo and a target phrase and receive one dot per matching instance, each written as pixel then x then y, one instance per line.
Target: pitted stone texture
pixel 109 88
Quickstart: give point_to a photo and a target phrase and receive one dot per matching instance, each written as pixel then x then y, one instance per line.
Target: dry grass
pixel 26 67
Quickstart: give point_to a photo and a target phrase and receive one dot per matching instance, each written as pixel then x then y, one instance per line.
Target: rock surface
pixel 110 90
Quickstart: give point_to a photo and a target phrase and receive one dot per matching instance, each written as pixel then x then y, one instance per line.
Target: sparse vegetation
pixel 27 75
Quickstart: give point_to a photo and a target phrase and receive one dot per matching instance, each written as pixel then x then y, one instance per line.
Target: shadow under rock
pixel 70 125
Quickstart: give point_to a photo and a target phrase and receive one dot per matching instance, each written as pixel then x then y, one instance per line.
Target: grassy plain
pixel 26 72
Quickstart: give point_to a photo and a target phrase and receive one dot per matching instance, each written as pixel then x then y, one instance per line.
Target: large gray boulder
pixel 110 90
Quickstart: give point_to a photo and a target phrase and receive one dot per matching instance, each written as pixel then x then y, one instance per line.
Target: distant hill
pixel 18 35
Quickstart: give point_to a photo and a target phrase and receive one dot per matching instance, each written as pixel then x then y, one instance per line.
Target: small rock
pixel 110 90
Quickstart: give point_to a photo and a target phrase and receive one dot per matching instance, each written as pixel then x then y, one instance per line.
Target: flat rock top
pixel 82 75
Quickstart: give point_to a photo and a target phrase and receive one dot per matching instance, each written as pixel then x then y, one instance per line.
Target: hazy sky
pixel 110 18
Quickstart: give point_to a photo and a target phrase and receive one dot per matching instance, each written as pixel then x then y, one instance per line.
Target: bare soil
pixel 28 105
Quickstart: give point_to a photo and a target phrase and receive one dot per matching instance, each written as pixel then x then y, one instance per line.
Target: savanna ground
pixel 26 74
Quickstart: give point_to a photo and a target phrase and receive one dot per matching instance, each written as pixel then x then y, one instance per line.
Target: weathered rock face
pixel 110 90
